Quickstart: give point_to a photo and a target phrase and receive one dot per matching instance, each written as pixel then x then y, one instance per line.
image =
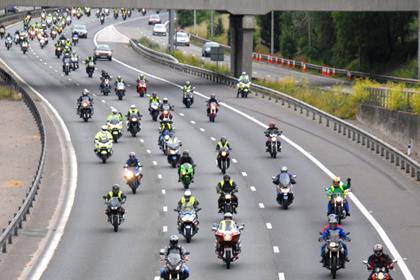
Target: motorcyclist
pixel 66 55
pixel 185 158
pixel 89 59
pixel 284 170
pixel 212 100
pixel 341 188
pixel 85 95
pixel 75 57
pixel 223 143
pixel 103 134
pixel 228 222
pixel 57 44
pixel 132 161
pixel 173 246
pixel 119 80
pixel 141 78
pixel 188 201
pixel 153 98
pixel 333 226
pixel 379 260
pixel 133 111
pixel 115 114
pixel 272 129
pixel 165 105
pixel 104 76
pixel 121 197
pixel 227 185
pixel 187 87
pixel 8 37
pixel 244 78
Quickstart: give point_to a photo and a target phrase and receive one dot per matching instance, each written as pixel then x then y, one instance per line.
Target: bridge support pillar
pixel 171 31
pixel 418 43
pixel 241 41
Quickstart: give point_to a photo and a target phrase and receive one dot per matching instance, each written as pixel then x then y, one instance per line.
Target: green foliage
pixel 151 45
pixel 198 62
pixel 265 33
pixel 186 17
pixel 9 94
pixel 219 28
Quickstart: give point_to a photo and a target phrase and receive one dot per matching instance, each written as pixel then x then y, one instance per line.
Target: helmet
pixel 104 128
pixel 213 96
pixel 115 188
pixel 378 249
pixel 333 224
pixel 132 155
pixel 133 106
pixel 226 177
pixel 336 181
pixel 223 139
pixel 332 217
pixel 141 76
pixel 154 94
pixel 85 92
pixel 114 111
pixel 173 240
pixel 284 169
pixel 227 215
pixel 187 195
pixel 187 83
pixel 185 154
pixel 119 77
pixel 244 73
pixel 165 100
pixel 271 125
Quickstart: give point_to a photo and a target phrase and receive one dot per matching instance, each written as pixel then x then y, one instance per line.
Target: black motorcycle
pixel 188 222
pixel 224 158
pixel 114 210
pixel 188 98
pixel 229 202
pixel 86 110
pixel 90 68
pixel 134 126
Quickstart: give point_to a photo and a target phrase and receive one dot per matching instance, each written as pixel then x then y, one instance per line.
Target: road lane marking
pixel 212 139
pixel 103 101
pixel 276 249
pixel 234 160
pixel 253 189
pixel 268 226
pixel 165 208
pixel 148 151
pixel 261 205
pixel 159 176
pixel 141 140
pixel 154 162
pixel 281 276
pixel 163 191
pixel 165 228
pixel 244 173
pixel 193 122
pixel 202 129
pixel 181 114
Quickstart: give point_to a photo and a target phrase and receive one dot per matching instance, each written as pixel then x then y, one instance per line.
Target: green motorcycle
pixel 187 174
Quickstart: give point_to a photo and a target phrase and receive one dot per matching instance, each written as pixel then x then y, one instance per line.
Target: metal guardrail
pixel 365 139
pixel 329 71
pixel 19 217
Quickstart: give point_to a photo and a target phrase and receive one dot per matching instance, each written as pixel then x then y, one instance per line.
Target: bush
pixel 219 29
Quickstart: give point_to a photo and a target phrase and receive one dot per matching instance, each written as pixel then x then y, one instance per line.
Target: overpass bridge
pixel 242 12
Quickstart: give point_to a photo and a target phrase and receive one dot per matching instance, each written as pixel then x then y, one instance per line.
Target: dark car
pixel 102 51
pixel 205 51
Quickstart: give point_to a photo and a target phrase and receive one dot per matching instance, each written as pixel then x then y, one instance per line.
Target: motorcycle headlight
pixel 173 152
pixel 273 139
pixel 134 119
pixel 178 267
pixel 381 276
pixel 223 154
pixel 85 104
pixel 285 190
pixel 333 244
pixel 187 219
pixel 129 174
pixel 339 199
pixel 227 237
pixel 114 208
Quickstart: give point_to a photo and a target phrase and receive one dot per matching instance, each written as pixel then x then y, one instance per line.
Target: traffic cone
pixel 349 76
pixel 289 64
pixel 333 72
pixel 293 64
pixel 277 60
pixel 323 71
pixel 328 72
pixel 282 61
pixel 304 68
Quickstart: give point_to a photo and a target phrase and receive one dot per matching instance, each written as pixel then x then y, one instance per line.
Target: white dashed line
pixel 244 173
pixel 276 249
pixel 163 191
pixel 281 276
pixel 181 114
pixel 202 129
pixel 193 122
pixel 55 70
pixel 77 84
pixel 165 208
pixel 103 101
pixel 94 94
pixel 156 278
pixel 45 63
pixel 268 226
pixel 261 205
pixel 69 79
pixel 148 151
pixel 159 176
pixel 253 189
pixel 234 160
pixel 164 228
pixel 154 162
pixel 141 140
pixel 50 67
pixel 212 139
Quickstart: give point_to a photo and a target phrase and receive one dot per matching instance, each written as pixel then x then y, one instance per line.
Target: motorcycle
pixel 78 14
pixel 274 145
pixel 380 273
pixel 66 66
pixel 228 241
pixel 48 21
pixel 141 88
pixel 132 177
pixel 188 222
pixel 43 42
pixel 106 88
pixel 244 89
pixel 116 13
pixel 186 171
pixel 174 264
pixel 8 43
pixel 163 138
pixel 17 39
pixel 115 216
pixel 120 90
pixel 143 11
pixel 24 47
pixel 85 110
pixel 224 159
pixel 129 13
pixel 87 11
pixel 154 110
pixel 90 68
pixel 134 125
pixel 172 151
pixel 75 39
pixel 104 149
pixel 102 19
pixel 212 111
pixel 53 34
pixel 115 128
pixel 334 254
pixel 32 34
pixel 229 205
pixel 124 16
pixel 337 202
pixel 58 51
pixel 285 194
pixel 188 98
pixel 2 32
pixel 68 20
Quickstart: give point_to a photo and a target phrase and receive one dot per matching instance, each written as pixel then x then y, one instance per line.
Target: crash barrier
pixel 382 97
pixel 326 71
pixel 12 229
pixel 365 139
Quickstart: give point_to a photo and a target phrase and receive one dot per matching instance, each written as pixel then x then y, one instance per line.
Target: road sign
pixel 217 54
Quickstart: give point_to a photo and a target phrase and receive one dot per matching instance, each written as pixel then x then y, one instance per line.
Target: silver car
pixel 182 39
pixel 81 30
pixel 205 51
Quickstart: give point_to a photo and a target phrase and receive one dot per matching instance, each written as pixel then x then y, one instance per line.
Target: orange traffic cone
pixel 293 64
pixel 282 61
pixel 328 72
pixel 289 64
pixel 304 68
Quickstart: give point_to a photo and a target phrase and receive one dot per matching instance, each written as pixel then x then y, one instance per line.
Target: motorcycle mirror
pixel 162 252
pixel 273 177
pixel 104 197
pixel 175 210
pixel 365 262
pixel 241 227
pixel 214 227
pixel 187 253
pixel 348 233
pixel 320 233
pixel 198 209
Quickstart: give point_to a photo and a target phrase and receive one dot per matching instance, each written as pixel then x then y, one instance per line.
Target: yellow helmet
pixel 336 181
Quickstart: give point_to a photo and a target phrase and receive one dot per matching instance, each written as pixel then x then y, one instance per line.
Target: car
pixel 81 30
pixel 182 39
pixel 154 19
pixel 11 9
pixel 159 29
pixel 205 51
pixel 102 51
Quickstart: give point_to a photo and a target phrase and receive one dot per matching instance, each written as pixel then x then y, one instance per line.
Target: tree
pixel 219 29
pixel 265 29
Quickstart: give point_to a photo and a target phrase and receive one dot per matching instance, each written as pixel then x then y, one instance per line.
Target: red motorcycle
pixel 380 273
pixel 141 88
pixel 212 111
pixel 228 246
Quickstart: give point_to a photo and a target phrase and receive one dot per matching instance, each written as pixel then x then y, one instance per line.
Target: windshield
pixel 103 48
pixel 284 179
pixel 114 202
pixel 182 35
pixel 114 121
pixel 79 27
pixel 174 258
pixel 227 225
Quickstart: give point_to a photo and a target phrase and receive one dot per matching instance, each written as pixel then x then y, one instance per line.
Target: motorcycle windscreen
pixel 114 203
pixel 173 260
pixel 284 179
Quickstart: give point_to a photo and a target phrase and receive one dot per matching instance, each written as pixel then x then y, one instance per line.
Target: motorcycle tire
pixel 188 237
pixel 86 118
pixel 115 223
pixel 273 154
pixel 173 164
pixel 133 133
pixel 120 97
pixel 211 118
pixel 90 74
pixel 334 265
pixel 115 138
pixel 154 117
pixel 285 205
pixel 104 160
pixel 24 52
pixel 228 259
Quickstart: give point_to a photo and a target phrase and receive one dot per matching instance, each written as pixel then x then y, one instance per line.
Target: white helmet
pixel 244 73
pixel 133 106
pixel 114 111
pixel 284 169
pixel 104 128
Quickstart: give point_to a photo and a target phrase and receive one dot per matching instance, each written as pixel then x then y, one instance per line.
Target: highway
pixel 275 243
pixel 260 70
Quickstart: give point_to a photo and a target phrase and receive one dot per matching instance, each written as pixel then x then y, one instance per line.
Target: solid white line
pixel 45 63
pixel 234 160
pixel 261 205
pixel 50 66
pixel 202 129
pixel 244 173
pixel 163 191
pixel 70 180
pixel 212 139
pixel 156 278
pixel 253 189
pixel 165 208
pixel 164 228
pixel 281 276
pixel 401 263
pixel 268 226
pixel 276 249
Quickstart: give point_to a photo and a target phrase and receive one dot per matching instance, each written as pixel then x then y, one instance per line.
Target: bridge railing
pixel 353 133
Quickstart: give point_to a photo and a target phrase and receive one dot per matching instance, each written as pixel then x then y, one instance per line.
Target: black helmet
pixel 223 139
pixel 173 240
pixel 115 188
pixel 378 249
pixel 226 177
pixel 213 96
pixel 185 154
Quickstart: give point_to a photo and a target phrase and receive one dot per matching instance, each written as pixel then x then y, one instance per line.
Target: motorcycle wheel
pixel 188 237
pixel 90 74
pixel 24 52
pixel 173 164
pixel 103 160
pixel 228 259
pixel 274 154
pixel 120 97
pixel 133 133
pixel 211 118
pixel 154 117
pixel 285 205
pixel 334 266
pixel 86 118
pixel 115 223
pixel 188 105
pixel 115 137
